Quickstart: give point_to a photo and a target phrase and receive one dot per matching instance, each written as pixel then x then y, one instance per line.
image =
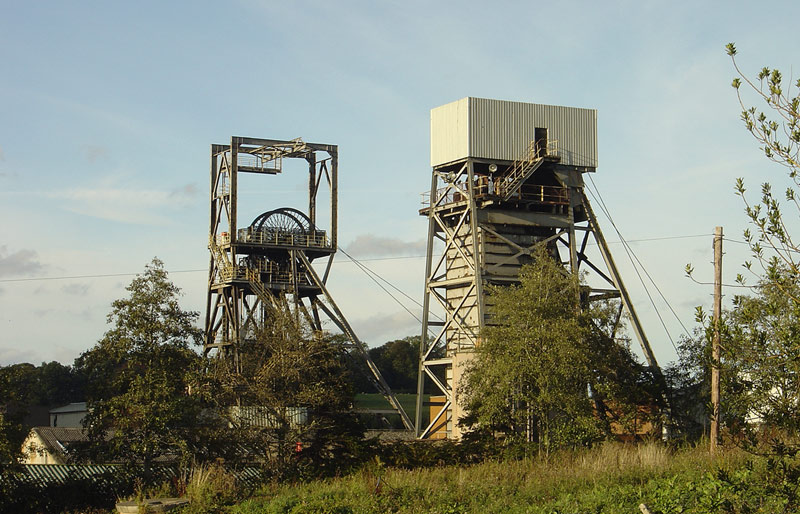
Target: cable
pixel 642 240
pixel 629 251
pixel 370 274
pixel 205 270
pixel 361 265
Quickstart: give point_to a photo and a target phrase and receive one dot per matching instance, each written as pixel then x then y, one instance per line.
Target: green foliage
pixel 12 432
pixel 287 373
pixel 760 364
pixel 397 361
pixel 139 374
pixel 531 372
pixel 776 127
pixel 210 488
pixel 611 478
pixel 50 383
pixel 23 386
pixel 762 350
pixel 532 367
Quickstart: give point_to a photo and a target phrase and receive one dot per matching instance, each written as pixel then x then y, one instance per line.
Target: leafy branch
pixel 778 134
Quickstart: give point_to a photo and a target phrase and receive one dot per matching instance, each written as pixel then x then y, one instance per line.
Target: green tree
pixel 292 386
pixel 760 334
pixel 139 375
pixel 398 362
pixel 776 127
pixel 11 430
pixel 537 360
pixel 59 384
pixel 763 351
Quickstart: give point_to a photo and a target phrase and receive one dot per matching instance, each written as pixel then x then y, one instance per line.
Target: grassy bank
pixel 609 479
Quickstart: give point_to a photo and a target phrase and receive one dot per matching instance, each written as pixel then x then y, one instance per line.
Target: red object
pixel 298 447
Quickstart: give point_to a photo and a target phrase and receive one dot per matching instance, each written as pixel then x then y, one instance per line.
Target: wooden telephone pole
pixel 715 353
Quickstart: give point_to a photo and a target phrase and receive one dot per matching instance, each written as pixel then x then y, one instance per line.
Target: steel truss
pixel 480 232
pixel 266 267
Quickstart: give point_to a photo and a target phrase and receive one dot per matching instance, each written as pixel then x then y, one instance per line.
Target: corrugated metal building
pixel 501 130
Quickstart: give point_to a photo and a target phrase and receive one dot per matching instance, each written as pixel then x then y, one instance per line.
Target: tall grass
pixel 609 477
pixel 209 488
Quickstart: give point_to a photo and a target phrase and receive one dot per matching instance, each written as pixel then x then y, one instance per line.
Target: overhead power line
pixel 204 270
pixel 632 256
pixel 371 259
pixel 372 275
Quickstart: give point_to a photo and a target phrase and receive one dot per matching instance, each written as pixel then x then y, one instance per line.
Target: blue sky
pixel 107 111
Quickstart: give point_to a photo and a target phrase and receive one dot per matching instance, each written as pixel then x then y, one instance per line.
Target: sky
pixel 108 111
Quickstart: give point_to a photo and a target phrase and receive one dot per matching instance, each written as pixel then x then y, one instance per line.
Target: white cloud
pixel 134 206
pixel 380 328
pixel 15 354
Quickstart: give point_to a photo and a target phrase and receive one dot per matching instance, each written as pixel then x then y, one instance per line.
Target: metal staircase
pixel 523 168
pixel 221 259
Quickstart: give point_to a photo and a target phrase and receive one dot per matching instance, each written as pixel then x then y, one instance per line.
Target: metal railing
pixel 496 185
pixel 274 237
pixel 524 167
pixel 485 188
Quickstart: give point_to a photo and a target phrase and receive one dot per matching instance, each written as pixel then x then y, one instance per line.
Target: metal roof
pixel 71 407
pixel 62 473
pixel 45 474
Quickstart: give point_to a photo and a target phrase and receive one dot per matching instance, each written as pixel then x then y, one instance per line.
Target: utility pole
pixel 715 342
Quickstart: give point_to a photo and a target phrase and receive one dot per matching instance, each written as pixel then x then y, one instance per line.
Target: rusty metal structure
pixel 507 178
pixel 266 265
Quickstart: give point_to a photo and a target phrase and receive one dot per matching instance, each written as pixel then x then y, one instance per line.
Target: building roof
pixel 58 439
pixel 46 474
pixel 70 407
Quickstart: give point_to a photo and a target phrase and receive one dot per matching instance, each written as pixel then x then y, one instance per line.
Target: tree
pixel 763 347
pixel 289 403
pixel 763 351
pixel 11 430
pixel 760 334
pixel 537 360
pixel 777 130
pixel 398 363
pixel 139 374
pixel 59 384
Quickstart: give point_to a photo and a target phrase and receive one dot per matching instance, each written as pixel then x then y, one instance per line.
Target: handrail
pixel 488 189
pixel 522 168
pixel 271 236
pixel 497 185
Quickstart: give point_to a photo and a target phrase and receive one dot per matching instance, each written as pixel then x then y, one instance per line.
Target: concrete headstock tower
pixel 507 177
pixel 264 266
